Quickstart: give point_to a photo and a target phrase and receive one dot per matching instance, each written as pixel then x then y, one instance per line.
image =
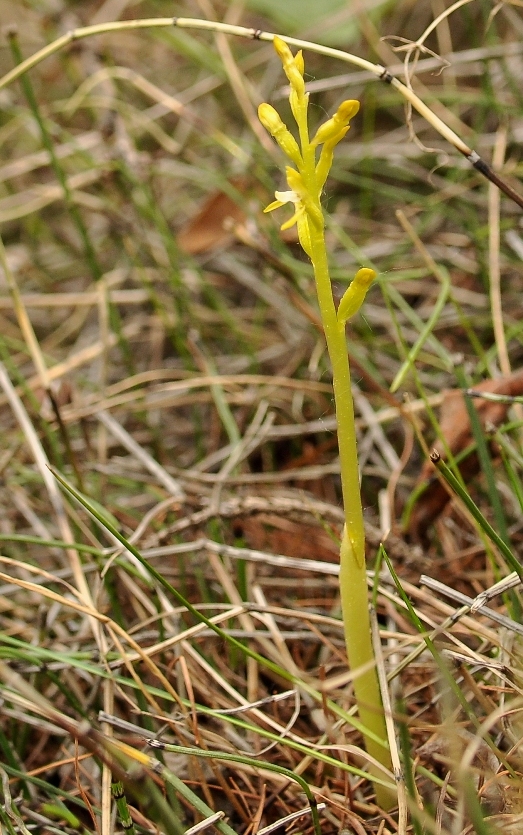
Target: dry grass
pixel 172 370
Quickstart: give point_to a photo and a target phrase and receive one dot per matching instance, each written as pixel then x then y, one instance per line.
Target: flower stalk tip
pixel 293 65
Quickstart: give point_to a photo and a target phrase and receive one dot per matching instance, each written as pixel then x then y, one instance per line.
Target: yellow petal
pixel 292 220
pixel 276 204
pixel 295 181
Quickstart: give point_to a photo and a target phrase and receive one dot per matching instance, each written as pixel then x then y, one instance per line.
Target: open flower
pixel 299 217
pixel 305 208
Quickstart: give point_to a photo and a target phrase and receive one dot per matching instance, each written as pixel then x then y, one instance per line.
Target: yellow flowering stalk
pixel 305 183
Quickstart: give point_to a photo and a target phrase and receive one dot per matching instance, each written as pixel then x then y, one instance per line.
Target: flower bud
pixel 332 128
pixel 364 277
pixel 347 110
pixel 284 53
pixel 271 121
pixel 292 67
pixel 270 118
pixel 299 103
pixel 353 297
pixel 296 183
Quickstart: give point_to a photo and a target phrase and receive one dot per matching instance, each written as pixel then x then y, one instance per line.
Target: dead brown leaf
pixel 213 225
pixel 456 429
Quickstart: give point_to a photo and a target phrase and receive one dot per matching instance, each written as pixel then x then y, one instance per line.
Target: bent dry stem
pixel 306 182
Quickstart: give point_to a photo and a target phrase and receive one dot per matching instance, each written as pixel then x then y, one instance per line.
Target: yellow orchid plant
pixel 306 182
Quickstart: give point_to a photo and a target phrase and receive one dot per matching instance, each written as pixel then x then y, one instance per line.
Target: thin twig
pixel 377 70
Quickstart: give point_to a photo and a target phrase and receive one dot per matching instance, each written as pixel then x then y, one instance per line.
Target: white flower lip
pixel 287 197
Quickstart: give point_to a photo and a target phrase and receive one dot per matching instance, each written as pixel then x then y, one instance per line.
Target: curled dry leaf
pixel 456 429
pixel 213 225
